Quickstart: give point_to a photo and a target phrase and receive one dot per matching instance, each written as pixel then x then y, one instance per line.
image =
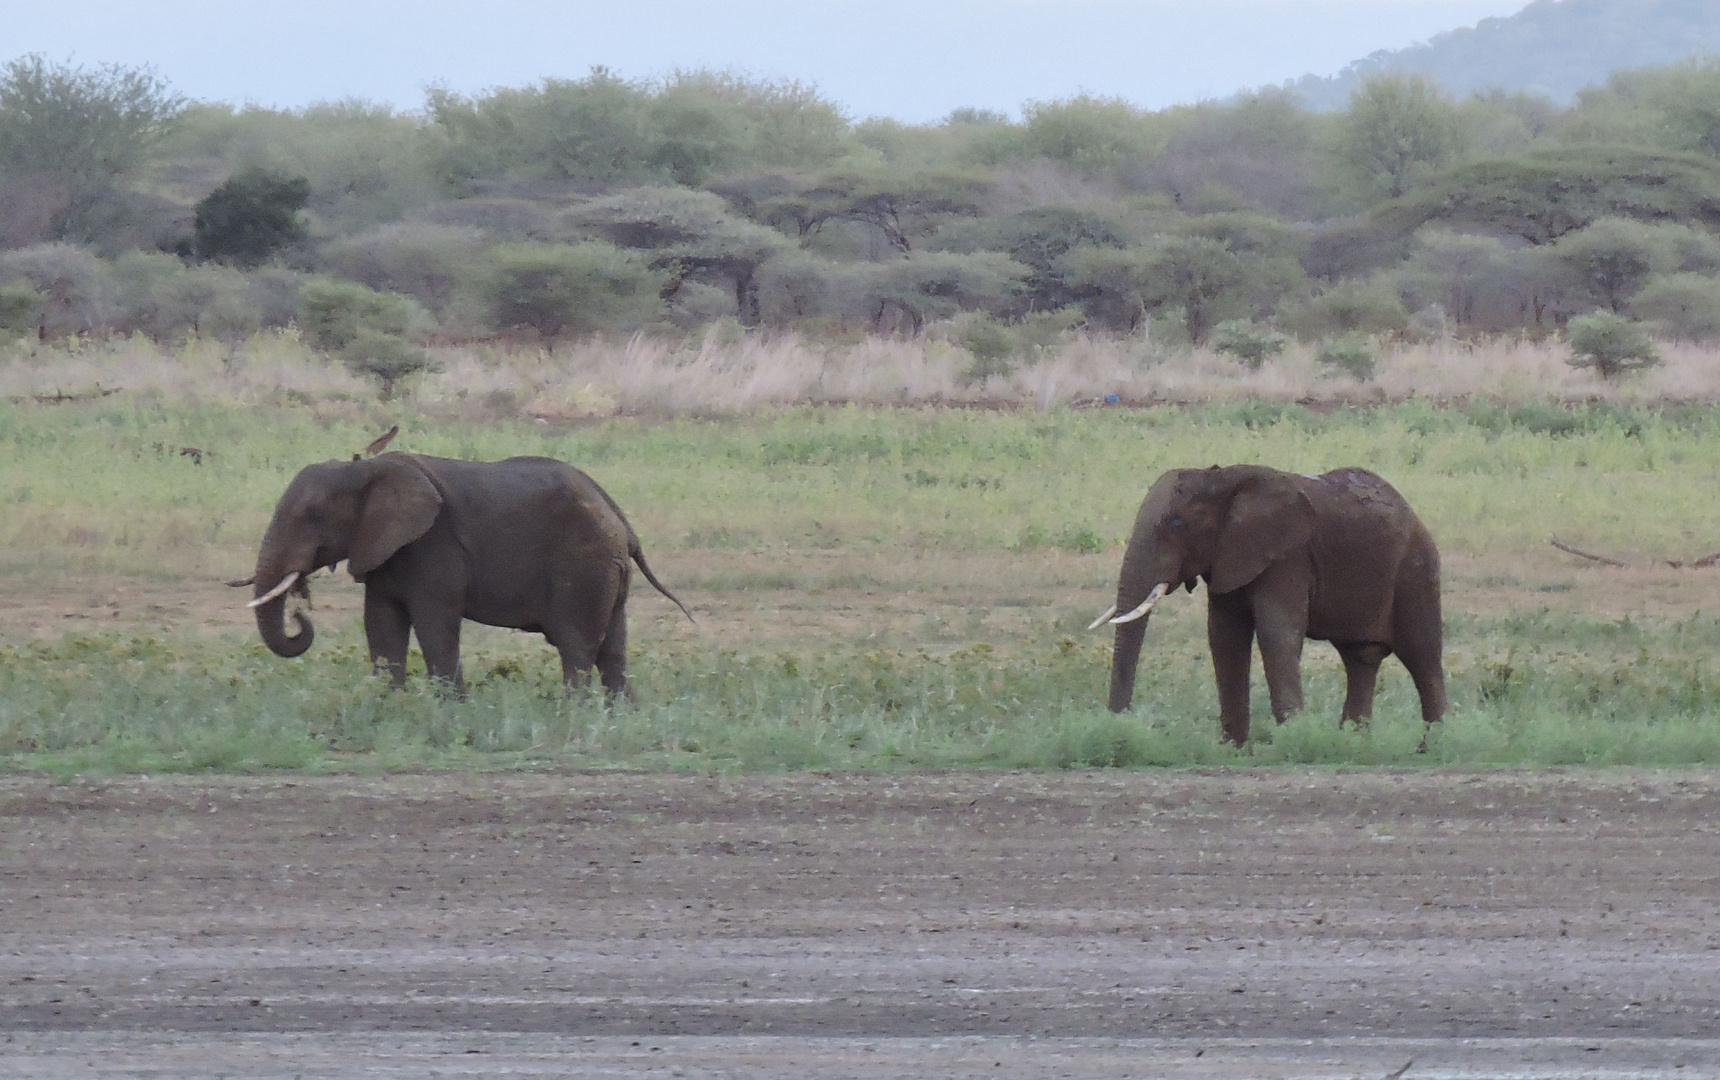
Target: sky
pixel 914 60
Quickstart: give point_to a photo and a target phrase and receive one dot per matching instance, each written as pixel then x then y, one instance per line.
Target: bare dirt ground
pixel 1291 923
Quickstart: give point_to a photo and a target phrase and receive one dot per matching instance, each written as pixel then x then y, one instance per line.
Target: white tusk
pixel 1153 597
pixel 1096 623
pixel 286 583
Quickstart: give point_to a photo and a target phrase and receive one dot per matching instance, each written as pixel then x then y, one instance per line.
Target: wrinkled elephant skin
pixel 528 543
pixel 1339 557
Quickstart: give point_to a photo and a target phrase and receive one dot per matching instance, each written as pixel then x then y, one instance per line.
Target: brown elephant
pixel 528 543
pixel 1339 557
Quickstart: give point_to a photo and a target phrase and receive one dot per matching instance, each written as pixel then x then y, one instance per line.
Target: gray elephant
pixel 1339 558
pixel 528 543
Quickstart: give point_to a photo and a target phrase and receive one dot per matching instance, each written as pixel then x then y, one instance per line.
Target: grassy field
pixel 876 587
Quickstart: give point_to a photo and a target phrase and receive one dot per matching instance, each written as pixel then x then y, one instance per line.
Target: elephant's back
pixel 538 496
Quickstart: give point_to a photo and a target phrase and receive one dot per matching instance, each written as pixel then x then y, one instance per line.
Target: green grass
pixel 885 501
pixel 1568 691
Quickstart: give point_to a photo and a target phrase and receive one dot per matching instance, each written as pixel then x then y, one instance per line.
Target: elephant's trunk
pixel 272 613
pixel 1143 581
pixel 1125 655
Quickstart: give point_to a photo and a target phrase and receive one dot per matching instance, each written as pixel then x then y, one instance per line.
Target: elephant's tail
pixel 638 554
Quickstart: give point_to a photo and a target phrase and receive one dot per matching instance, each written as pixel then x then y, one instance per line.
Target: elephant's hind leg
pixel 1361 673
pixel 612 654
pixel 584 609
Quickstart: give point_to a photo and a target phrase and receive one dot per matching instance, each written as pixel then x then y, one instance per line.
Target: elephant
pixel 529 543
pixel 1339 557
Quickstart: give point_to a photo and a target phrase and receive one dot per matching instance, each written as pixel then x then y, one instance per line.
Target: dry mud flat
pixel 1287 923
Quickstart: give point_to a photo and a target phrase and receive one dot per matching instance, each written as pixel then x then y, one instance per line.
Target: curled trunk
pixel 272 618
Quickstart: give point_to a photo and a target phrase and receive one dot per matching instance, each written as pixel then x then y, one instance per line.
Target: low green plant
pixel 20 306
pixel 387 358
pixel 1348 354
pixel 1611 345
pixel 1250 343
pixel 333 314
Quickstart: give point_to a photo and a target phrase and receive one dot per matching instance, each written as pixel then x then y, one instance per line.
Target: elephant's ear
pixel 1269 518
pixel 399 505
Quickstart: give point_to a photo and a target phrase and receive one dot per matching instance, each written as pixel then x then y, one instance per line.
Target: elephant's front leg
pixel 1281 656
pixel 1230 635
pixel 388 630
pixel 439 637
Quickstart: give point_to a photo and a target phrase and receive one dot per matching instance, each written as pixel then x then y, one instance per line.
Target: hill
pixel 1551 47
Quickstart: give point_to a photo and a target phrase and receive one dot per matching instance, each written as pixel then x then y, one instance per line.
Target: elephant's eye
pixel 1176 521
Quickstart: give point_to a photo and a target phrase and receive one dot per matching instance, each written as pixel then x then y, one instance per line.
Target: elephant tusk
pixel 1153 597
pixel 1100 621
pixel 240 583
pixel 285 584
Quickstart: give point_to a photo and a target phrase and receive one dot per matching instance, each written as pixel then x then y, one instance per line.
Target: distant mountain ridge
pixel 1551 47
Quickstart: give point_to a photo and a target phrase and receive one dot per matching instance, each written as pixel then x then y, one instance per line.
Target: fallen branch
pixel 1702 563
pixel 1569 550
pixel 60 397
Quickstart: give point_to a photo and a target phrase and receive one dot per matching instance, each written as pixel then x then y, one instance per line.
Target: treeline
pixel 603 204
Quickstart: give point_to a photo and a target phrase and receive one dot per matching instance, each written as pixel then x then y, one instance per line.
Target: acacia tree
pixel 688 234
pixel 250 217
pixel 1399 128
pixel 70 132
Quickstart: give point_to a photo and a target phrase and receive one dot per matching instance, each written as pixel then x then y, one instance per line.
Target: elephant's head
pixel 1221 525
pixel 360 511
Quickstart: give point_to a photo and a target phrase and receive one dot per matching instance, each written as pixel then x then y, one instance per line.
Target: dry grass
pixel 665 377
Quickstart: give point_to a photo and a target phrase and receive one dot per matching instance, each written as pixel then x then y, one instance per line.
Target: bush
pixel 570 288
pixel 1352 354
pixel 1684 307
pixel 333 313
pixel 20 307
pixel 385 357
pixel 1610 344
pixel 160 296
pixel 1370 307
pixel 989 343
pixel 72 283
pixel 250 217
pixel 1252 345
pixel 422 260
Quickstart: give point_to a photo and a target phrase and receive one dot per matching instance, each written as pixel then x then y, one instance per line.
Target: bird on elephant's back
pixel 1339 557
pixel 529 543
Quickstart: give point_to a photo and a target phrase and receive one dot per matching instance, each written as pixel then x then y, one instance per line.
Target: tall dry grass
pixel 668 377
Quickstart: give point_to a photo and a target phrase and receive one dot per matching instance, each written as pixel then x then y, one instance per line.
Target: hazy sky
pixel 911 59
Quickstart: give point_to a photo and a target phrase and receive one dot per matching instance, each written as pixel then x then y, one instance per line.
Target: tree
pixel 1685 307
pixel 1399 129
pixel 561 289
pixel 935 284
pixel 686 233
pixel 250 217
pixel 1614 256
pixel 1092 134
pixel 1200 275
pixel 73 131
pixel 1543 195
pixel 332 313
pixel 1610 344
pixel 387 358
pixel 20 308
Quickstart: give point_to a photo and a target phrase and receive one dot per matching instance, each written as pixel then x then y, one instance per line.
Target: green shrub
pixel 991 345
pixel 1685 307
pixel 1610 344
pixel 332 314
pixel 20 307
pixel 1351 354
pixel 1370 307
pixel 560 289
pixel 1251 344
pixel 250 217
pixel 384 357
